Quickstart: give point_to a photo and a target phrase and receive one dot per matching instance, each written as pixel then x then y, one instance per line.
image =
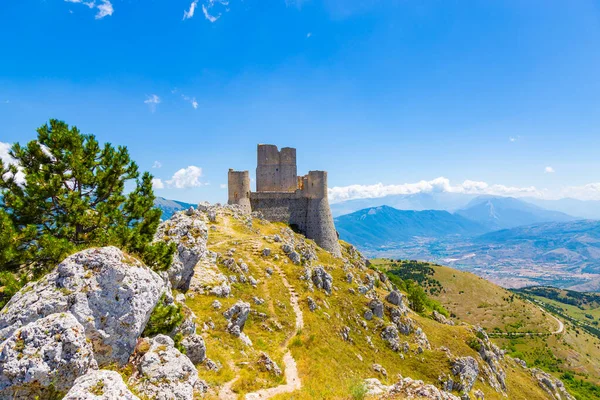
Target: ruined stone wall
pixel 276 170
pixel 239 189
pixel 308 210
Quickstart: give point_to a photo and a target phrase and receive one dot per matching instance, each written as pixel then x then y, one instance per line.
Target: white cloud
pixel 223 186
pixel 192 10
pixel 549 170
pixel 591 191
pixel 441 184
pixel 308 35
pixel 152 101
pixel 157 164
pixel 209 17
pixel 191 100
pixel 105 7
pixel 513 139
pixel 186 178
pixel 8 160
pixel 157 183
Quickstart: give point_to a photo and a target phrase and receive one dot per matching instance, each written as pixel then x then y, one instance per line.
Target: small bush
pixel 358 391
pixel 164 318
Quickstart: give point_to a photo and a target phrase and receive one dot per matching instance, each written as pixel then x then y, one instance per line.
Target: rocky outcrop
pixel 111 294
pixel 441 319
pixel 195 348
pixel 266 364
pixel 395 297
pixel 466 370
pixel 322 279
pixel 100 385
pixel 410 388
pixel 376 307
pixel 551 385
pixel 44 357
pixel 162 372
pixel 237 316
pixel 189 233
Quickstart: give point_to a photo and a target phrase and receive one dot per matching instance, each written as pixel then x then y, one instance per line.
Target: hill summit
pixel 249 309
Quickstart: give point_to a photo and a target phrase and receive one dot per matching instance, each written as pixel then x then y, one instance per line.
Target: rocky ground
pixel 264 313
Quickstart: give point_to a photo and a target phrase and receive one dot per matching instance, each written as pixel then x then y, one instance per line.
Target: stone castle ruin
pixel 283 196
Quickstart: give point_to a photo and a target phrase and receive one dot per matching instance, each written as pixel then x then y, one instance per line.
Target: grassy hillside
pixel 329 366
pixel 520 326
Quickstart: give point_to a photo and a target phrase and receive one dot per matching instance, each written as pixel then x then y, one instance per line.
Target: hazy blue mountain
pixel 418 202
pixel 375 227
pixel 170 207
pixel 587 209
pixel 506 212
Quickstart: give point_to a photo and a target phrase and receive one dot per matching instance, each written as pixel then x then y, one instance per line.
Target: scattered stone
pixel 312 305
pixel 252 281
pixel 294 257
pixel 45 355
pixel 409 388
pixel 322 279
pixel 479 394
pixel 368 315
pixel 237 316
pixel 269 271
pixel 267 365
pixel 374 387
pixel 111 294
pixel 216 305
pixel 266 252
pixel 222 290
pixel 345 332
pixel 195 348
pixel 390 336
pixel 376 306
pixel 520 362
pixel 395 298
pixel 211 365
pixel 162 372
pixel 277 238
pixel 258 301
pixel 287 248
pixel 362 289
pixel 349 277
pixel 380 369
pixel 100 385
pixel 441 319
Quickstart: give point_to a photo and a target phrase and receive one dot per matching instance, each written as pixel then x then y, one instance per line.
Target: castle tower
pixel 319 220
pixel 239 189
pixel 276 170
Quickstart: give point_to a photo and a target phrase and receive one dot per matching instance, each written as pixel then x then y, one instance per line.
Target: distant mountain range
pixel 381 226
pixel 506 212
pixel 536 246
pixel 455 201
pixel 170 207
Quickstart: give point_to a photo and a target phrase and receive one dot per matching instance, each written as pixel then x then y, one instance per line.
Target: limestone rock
pixel 312 305
pixel 377 307
pixel 49 353
pixel 111 294
pixel 374 387
pixel 441 319
pixel 380 369
pixel 266 252
pixel 409 388
pixel 189 233
pixel 395 297
pixel 266 364
pixel 162 372
pixel 466 369
pixel 390 335
pixel 100 385
pixel 195 348
pixel 551 385
pixel 294 257
pixel 322 279
pixel 237 316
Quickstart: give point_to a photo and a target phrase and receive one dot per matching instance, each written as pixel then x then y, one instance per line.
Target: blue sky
pixel 388 96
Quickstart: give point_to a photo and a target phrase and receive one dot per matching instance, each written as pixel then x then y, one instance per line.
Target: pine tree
pixel 73 197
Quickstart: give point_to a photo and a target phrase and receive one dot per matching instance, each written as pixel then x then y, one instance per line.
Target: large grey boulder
pixel 395 297
pixel 110 293
pixel 162 372
pixel 43 357
pixel 189 232
pixel 377 307
pixel 100 385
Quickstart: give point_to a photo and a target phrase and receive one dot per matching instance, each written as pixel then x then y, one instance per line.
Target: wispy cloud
pixel 152 101
pixel 223 186
pixel 157 164
pixel 308 35
pixel 591 191
pixel 207 15
pixel 441 184
pixel 104 7
pixel 186 178
pixel 549 170
pixel 190 13
pixel 191 100
pixel 513 139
